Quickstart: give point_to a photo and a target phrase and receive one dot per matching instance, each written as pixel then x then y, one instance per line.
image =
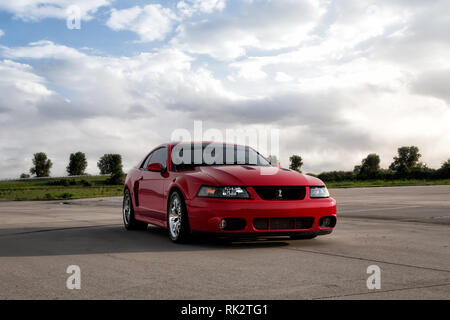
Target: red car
pixel 224 189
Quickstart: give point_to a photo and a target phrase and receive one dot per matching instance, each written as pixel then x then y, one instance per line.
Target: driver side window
pixel 157 156
pixel 147 161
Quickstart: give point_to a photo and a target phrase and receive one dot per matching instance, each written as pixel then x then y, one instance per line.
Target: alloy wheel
pixel 175 213
pixel 126 208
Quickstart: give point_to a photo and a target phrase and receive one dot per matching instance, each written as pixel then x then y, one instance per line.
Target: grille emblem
pixel 280 193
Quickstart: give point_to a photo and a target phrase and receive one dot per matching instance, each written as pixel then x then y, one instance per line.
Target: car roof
pixel 201 142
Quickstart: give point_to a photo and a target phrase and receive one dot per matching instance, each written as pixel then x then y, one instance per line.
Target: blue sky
pixel 338 79
pixel 94 33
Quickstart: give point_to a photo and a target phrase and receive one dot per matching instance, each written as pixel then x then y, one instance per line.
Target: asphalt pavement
pixel 405 231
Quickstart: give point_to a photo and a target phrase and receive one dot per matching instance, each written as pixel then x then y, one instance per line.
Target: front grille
pixel 281 192
pixel 283 223
pixel 304 223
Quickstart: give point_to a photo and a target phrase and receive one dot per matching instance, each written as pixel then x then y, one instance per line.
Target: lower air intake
pixel 283 223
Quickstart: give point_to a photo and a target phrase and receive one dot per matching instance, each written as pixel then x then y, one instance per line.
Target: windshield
pixel 185 156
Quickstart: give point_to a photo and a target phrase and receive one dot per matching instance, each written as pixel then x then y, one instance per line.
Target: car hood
pixel 258 176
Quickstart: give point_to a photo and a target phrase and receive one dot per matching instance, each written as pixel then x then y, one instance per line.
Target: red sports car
pixel 224 189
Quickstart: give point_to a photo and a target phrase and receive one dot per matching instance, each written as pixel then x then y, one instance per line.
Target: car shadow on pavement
pixel 113 239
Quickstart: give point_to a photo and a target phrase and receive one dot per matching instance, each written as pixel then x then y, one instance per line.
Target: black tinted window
pixel 189 155
pixel 159 156
pixel 147 161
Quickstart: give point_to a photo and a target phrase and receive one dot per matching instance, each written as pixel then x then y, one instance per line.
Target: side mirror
pixel 155 167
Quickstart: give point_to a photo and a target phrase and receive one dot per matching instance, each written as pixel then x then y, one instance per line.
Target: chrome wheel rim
pixel 126 208
pixel 175 217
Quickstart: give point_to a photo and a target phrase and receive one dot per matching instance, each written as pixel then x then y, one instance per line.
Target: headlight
pixel 223 192
pixel 318 192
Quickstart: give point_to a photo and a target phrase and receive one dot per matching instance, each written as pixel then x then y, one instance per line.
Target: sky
pixel 338 79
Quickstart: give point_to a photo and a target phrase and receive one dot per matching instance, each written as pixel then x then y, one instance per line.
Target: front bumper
pixel 205 214
pixel 251 235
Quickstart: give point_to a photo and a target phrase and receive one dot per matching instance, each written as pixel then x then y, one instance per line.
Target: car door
pixel 152 186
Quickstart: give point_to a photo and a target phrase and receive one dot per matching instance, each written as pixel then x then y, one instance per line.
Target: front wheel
pixel 129 220
pixel 177 220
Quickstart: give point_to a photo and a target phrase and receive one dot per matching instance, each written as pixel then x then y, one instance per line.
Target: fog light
pixel 223 224
pixel 327 222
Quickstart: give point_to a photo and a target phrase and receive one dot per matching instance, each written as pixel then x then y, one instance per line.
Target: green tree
pixel 41 165
pixel 407 159
pixel 328 176
pixel 370 166
pixel 296 163
pixel 77 164
pixel 112 164
pixel 446 165
pixel 444 171
pixel 24 176
pixel 421 171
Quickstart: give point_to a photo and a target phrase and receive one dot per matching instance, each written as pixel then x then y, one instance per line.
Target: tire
pixel 303 237
pixel 177 219
pixel 129 220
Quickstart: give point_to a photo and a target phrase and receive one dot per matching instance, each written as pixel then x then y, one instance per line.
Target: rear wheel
pixel 177 220
pixel 303 237
pixel 129 220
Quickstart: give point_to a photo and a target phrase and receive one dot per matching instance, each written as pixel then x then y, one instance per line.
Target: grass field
pixel 58 188
pixel 97 186
pixel 383 183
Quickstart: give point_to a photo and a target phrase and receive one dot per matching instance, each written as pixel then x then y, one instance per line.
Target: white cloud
pixel 151 22
pixel 434 83
pixel 190 7
pixel 1 32
pixel 124 108
pixel 22 94
pixel 134 103
pixel 340 79
pixel 266 25
pixel 135 81
pixel 283 77
pixel 251 70
pixel 40 9
pixel 41 50
pixel 22 88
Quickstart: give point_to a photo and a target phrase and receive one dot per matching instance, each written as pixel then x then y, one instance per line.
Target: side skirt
pixel 156 222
